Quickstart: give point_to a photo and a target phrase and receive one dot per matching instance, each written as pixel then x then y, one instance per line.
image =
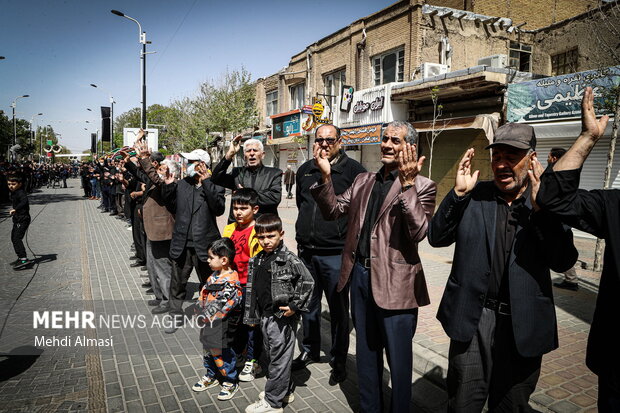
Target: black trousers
pixel 17 235
pixel 186 262
pixel 139 236
pixel 490 366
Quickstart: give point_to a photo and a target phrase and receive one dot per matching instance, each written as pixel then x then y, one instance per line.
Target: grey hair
pixel 173 167
pixel 254 142
pixel 411 136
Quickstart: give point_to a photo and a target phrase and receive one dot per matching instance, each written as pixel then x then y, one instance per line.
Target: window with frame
pixel 520 56
pixel 298 96
pixel 333 86
pixel 272 102
pixel 563 63
pixel 389 67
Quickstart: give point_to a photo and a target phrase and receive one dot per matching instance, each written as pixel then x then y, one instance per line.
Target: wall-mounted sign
pixel 361 106
pixel 287 125
pixel 347 98
pixel 316 117
pixel 361 135
pixel 558 97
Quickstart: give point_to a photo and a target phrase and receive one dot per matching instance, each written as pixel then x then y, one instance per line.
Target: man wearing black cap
pixel 497 307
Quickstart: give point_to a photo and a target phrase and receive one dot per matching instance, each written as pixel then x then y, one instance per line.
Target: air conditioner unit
pixel 433 69
pixel 497 60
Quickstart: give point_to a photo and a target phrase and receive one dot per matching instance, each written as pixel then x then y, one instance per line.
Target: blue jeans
pixel 224 364
pixel 377 329
pixel 94 188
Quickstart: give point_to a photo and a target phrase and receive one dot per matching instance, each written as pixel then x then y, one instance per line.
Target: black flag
pixel 93 142
pixel 105 124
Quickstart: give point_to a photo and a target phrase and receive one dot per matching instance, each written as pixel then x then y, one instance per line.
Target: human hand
pixel 287 311
pixel 322 162
pixel 465 180
pixel 590 126
pixel 124 154
pixel 535 171
pixel 141 148
pixel 235 145
pixel 409 166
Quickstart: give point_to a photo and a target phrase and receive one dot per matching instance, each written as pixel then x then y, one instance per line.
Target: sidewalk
pixel 149 371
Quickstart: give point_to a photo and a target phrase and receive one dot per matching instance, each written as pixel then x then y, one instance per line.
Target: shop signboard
pixel 361 135
pixel 558 97
pixel 287 125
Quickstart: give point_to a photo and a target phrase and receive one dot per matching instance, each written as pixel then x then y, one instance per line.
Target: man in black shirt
pixel 21 218
pixel 497 306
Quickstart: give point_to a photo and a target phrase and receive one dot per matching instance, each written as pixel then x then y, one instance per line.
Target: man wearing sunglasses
pixel 320 245
pixel 388 214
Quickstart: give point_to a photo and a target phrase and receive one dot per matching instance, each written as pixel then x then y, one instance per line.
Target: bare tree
pixel 437 127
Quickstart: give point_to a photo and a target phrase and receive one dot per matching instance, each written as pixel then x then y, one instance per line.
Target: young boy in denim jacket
pixel 279 287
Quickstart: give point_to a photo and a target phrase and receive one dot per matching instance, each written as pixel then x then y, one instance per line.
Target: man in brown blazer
pixel 388 214
pixel 158 223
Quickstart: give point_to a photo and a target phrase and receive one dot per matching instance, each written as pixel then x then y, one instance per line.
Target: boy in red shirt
pixel 241 232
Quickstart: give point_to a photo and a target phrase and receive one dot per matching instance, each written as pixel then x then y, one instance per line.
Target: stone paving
pixel 86 263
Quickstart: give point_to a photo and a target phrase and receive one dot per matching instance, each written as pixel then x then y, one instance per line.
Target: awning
pixel 486 122
pixel 281 141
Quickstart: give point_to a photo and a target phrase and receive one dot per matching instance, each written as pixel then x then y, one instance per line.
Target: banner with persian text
pixel 559 97
pixel 361 135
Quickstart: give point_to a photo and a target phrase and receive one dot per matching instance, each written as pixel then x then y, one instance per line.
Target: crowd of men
pixel 357 234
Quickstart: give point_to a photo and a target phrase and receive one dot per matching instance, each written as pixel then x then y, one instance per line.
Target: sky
pixel 54 50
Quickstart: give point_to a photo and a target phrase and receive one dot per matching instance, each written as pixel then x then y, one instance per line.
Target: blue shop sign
pixel 287 125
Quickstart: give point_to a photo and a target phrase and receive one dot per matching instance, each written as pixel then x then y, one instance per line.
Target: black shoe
pixel 143 268
pixel 150 291
pixel 146 284
pixel 153 303
pixel 567 285
pixel 137 264
pixel 22 264
pixel 303 360
pixel 338 375
pixel 113 213
pixel 14 263
pixel 161 309
pixel 133 258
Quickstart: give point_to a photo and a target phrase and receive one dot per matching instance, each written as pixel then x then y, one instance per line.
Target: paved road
pixel 85 266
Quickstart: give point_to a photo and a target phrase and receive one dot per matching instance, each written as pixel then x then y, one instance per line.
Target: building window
pixel 520 56
pixel 389 67
pixel 564 63
pixel 272 103
pixel 333 86
pixel 298 96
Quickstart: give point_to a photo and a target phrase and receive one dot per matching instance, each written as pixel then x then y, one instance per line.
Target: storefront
pixel 553 107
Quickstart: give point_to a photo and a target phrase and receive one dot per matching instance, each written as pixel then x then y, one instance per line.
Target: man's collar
pixel 392 175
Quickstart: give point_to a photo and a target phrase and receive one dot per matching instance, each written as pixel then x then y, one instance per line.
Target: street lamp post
pixel 31 122
pixel 142 40
pixel 112 102
pixel 14 105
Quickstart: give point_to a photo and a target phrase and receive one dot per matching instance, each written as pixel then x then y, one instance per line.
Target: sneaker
pixel 22 264
pixel 205 383
pixel 261 406
pixel 250 369
pixel 289 398
pixel 14 263
pixel 227 391
pixel 567 285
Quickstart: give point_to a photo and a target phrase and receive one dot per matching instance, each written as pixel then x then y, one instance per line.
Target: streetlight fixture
pixel 31 121
pixel 14 105
pixel 112 102
pixel 2 57
pixel 141 40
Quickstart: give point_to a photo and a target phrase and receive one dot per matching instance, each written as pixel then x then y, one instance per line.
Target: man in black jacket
pixel 197 202
pixel 265 180
pixel 497 307
pixel 595 212
pixel 320 245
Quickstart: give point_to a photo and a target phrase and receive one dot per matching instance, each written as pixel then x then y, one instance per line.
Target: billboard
pixel 361 135
pixel 558 97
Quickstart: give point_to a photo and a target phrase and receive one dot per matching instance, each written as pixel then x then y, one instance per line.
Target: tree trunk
pixel 598 251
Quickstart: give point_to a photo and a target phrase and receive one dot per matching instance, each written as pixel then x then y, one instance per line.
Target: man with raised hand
pixel 596 212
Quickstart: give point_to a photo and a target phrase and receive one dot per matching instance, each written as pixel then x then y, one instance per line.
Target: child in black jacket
pixel 21 219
